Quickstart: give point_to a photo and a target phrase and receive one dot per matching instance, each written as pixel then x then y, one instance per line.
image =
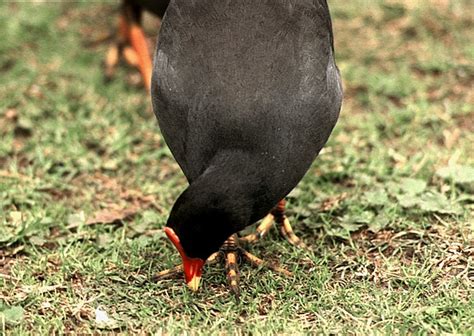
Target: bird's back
pixel 256 77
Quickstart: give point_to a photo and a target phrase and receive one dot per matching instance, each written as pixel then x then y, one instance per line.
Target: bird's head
pixel 198 226
pixel 192 266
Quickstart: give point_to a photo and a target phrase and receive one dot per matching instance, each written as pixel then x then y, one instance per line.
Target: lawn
pixel 86 184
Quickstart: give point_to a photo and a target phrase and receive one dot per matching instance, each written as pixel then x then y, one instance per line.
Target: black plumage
pixel 157 7
pixel 246 94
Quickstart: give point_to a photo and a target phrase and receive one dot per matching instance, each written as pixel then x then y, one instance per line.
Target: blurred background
pixel 86 183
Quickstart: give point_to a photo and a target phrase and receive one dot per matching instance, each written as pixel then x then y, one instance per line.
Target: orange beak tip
pixel 194 283
pixel 192 266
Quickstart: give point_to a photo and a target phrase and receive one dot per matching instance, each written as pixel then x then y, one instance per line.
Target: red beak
pixel 192 266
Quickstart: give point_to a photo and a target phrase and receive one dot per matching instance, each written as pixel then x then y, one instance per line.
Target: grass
pixel 86 183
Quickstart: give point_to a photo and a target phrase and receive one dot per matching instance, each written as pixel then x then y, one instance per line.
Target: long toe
pixel 287 232
pixel 285 227
pixel 174 272
pixel 232 270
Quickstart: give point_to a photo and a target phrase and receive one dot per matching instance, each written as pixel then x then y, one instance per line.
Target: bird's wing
pixel 235 73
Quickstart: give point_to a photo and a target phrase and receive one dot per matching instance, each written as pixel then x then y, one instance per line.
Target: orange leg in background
pixel 137 40
pixel 132 44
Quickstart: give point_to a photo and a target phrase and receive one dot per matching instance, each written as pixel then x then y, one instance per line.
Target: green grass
pixel 387 207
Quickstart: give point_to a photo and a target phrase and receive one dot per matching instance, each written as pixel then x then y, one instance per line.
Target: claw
pixel 287 232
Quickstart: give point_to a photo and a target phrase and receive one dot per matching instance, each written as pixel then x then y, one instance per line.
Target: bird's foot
pixel 131 44
pixel 278 216
pixel 230 252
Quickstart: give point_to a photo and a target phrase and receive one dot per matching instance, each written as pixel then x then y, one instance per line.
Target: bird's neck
pixel 234 181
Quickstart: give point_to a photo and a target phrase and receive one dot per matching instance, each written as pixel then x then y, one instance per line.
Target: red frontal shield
pixel 192 266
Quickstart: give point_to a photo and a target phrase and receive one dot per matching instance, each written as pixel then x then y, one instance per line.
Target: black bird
pixel 246 94
pixel 131 40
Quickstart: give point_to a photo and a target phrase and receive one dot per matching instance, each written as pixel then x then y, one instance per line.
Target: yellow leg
pixel 214 258
pixel 285 227
pixel 277 215
pixel 287 232
pixel 232 271
pixel 231 252
pixel 261 230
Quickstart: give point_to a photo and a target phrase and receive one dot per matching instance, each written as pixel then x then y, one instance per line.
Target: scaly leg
pixel 261 230
pixel 277 215
pixel 285 227
pixel 231 252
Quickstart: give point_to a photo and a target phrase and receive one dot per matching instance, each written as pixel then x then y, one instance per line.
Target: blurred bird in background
pixel 131 42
